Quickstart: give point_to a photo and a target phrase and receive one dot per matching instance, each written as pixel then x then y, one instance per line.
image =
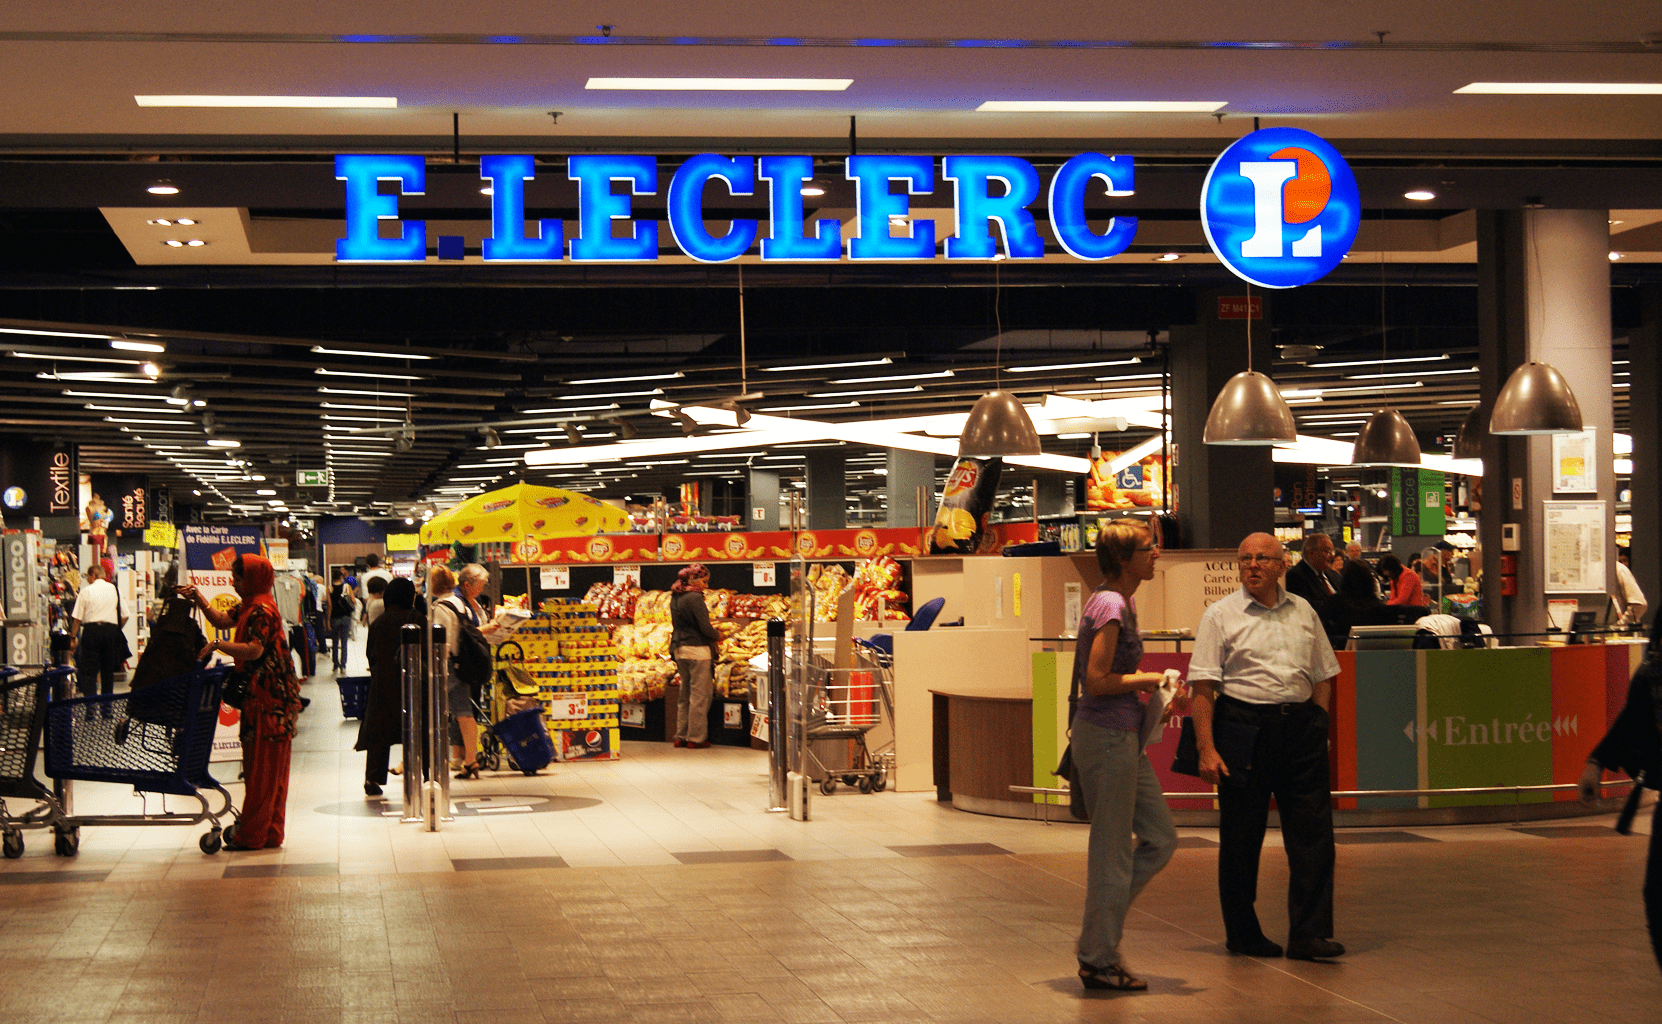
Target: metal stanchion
pixel 436 805
pixel 62 789
pixel 778 799
pixel 411 637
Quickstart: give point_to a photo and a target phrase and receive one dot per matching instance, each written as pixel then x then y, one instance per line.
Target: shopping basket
pixel 525 737
pixel 23 703
pixel 354 692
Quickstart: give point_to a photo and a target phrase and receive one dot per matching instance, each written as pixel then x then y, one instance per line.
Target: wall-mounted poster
pixel 1575 463
pixel 1573 545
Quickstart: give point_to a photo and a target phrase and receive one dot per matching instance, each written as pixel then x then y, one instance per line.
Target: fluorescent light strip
pixel 610 394
pixel 723 84
pixel 574 408
pixel 867 391
pixel 885 361
pixel 322 351
pixel 1410 373
pixel 1133 376
pixel 1070 366
pixel 371 376
pixel 1376 362
pixel 113 394
pixel 52 334
pixel 153 423
pixel 677 375
pixel 1100 106
pixel 79 359
pixel 801 408
pixel 1560 89
pixel 131 408
pixel 136 346
pixel 347 102
pixel 367 394
pixel 896 376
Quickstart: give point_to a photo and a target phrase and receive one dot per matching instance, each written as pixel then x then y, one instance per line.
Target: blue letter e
pixel 597 207
pixel 366 208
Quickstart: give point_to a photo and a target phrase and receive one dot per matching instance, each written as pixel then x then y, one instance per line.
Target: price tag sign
pixel 568 706
pixel 764 574
pixel 555 577
pixel 758 513
pixel 626 574
pixel 634 715
pixel 759 727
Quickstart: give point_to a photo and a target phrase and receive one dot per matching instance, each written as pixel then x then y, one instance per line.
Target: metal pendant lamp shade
pixel 1536 400
pixel 1386 440
pixel 1468 441
pixel 1250 410
pixel 998 426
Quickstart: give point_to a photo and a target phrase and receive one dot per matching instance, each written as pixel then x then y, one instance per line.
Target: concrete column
pixel 764 495
pixel 1543 295
pixel 907 472
pixel 827 476
pixel 1223 493
pixel 1644 351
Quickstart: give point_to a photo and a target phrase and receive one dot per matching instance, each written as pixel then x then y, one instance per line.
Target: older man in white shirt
pixel 1263 673
pixel 95 634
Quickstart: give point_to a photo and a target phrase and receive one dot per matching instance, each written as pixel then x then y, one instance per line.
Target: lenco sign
pixel 1290 183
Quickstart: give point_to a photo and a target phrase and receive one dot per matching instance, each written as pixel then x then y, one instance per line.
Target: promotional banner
pixel 208 553
pixel 776 545
pixel 36 480
pixel 965 502
pixel 127 497
pixel 1135 486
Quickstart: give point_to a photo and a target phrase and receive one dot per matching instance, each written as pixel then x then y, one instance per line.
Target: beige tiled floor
pixel 1486 924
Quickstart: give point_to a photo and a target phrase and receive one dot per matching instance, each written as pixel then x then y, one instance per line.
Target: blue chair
pixel 926 615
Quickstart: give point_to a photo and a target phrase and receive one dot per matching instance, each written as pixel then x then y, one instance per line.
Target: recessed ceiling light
pixel 184 222
pixel 379 102
pixel 223 442
pixel 723 84
pixel 1420 195
pixel 1100 106
pixel 150 369
pixel 1170 257
pixel 1561 89
pixel 162 188
pixel 174 243
pixel 812 190
pixel 137 346
pixel 487 191
pixel 162 222
pixel 1616 256
pixel 195 242
pixel 263 491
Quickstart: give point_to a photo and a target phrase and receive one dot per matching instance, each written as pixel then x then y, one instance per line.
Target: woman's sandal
pixel 1113 976
pixel 469 771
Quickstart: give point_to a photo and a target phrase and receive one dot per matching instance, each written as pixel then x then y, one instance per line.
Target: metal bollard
pixel 436 807
pixel 62 789
pixel 777 765
pixel 412 639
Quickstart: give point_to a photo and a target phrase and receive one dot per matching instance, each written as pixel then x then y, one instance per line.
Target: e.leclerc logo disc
pixel 1280 207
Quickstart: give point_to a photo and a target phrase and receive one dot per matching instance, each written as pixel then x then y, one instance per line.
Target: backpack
pixel 470 653
pixel 175 640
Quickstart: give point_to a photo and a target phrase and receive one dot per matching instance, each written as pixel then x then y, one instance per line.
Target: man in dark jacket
pixel 1314 580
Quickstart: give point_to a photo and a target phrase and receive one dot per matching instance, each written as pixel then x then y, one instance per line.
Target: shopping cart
pixel 847 704
pixel 23 702
pixel 156 740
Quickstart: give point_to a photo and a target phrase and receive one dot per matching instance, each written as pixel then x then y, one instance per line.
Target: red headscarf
pixel 686 577
pixel 258 577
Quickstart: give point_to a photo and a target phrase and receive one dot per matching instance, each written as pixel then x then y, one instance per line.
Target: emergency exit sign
pixel 312 478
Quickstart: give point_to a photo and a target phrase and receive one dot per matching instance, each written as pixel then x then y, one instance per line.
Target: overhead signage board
pixel 1280 207
pixel 994 199
pixel 312 478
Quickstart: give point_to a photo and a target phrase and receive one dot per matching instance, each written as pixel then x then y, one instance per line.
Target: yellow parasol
pixel 523 511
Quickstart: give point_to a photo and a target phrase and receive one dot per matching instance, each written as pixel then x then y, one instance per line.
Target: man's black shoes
pixel 1314 949
pixel 1261 947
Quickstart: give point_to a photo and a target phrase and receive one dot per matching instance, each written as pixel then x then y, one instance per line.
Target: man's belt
pixel 1266 709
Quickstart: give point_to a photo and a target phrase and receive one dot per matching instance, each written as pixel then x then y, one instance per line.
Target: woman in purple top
pixel 1117 782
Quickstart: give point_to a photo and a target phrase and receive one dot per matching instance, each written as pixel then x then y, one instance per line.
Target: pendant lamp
pixel 998 426
pixel 1468 441
pixel 1386 440
pixel 1536 400
pixel 1250 410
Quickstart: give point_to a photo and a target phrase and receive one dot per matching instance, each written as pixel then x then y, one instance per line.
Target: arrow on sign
pixel 1566 724
pixel 1408 730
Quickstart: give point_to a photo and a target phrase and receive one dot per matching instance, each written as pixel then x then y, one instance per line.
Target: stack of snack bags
pixel 829 580
pixel 877 584
pixel 614 601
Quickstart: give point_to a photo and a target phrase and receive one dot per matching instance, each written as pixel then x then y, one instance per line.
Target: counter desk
pixel 1402 720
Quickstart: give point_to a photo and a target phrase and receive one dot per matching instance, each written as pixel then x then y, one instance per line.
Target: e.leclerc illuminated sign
pixel 979 207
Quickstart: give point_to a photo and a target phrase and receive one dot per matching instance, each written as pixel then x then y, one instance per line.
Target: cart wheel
pixel 67 842
pixel 211 842
pixel 865 783
pixel 529 771
pixel 829 786
pixel 490 762
pixel 12 845
pixel 880 782
pixel 851 780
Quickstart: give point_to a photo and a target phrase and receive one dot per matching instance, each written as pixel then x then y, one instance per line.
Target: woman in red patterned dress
pixel 273 704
